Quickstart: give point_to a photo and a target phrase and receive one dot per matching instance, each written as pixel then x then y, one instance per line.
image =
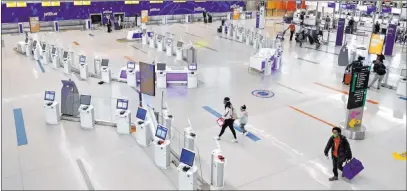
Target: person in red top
pixel 340 151
pixel 292 30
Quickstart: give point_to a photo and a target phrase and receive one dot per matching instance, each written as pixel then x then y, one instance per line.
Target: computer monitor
pixel 85 99
pixel 161 132
pixel 193 66
pixel 65 56
pixel 34 44
pixel 49 96
pixel 43 46
pixel 131 65
pixel 53 50
pixel 122 104
pixel 105 62
pixel 179 44
pixel 161 66
pixel 82 58
pixel 26 40
pixel 159 37
pixel 187 157
pixel 141 114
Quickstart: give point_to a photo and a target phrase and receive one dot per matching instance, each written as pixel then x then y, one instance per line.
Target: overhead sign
pixel 34 24
pixel 376 44
pixel 144 16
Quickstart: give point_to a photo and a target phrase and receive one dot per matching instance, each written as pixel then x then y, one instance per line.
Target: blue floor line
pixel 403 98
pixel 236 126
pixel 41 67
pixel 20 127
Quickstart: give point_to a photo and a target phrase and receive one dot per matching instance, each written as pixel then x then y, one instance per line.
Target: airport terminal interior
pixel 72 119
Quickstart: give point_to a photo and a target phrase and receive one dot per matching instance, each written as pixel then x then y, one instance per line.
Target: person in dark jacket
pixel 204 16
pixel 377 27
pixel 380 69
pixel 351 24
pixel 109 25
pixel 340 151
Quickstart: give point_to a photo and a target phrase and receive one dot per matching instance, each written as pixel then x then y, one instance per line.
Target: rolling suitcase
pixel 310 39
pixel 352 168
pixel 346 78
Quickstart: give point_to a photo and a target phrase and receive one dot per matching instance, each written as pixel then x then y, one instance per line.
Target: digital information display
pixel 358 88
pixel 147 78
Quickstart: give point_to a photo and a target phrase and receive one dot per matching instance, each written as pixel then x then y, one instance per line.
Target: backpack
pixel 234 114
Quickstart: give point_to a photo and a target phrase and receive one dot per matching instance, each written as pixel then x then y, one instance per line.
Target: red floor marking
pixel 129 59
pixel 344 92
pixel 76 43
pixel 309 115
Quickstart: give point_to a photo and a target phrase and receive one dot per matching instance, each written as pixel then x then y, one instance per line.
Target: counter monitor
pixel 187 157
pixel 85 99
pixel 161 66
pixel 131 65
pixel 82 58
pixel 105 62
pixel 49 96
pixel 141 114
pixel 65 56
pixel 122 104
pixel 53 50
pixel 161 132
pixel 192 66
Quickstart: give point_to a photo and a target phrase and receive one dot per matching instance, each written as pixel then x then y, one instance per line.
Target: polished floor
pixel 293 126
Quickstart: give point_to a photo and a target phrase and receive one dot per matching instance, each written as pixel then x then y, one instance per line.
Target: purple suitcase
pixel 352 168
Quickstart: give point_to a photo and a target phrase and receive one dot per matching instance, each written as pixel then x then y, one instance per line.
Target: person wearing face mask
pixel 229 118
pixel 340 151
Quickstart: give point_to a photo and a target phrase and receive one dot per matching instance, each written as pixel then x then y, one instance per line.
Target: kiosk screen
pixel 105 62
pixel 187 157
pixel 141 114
pixel 49 96
pixel 53 50
pixel 82 58
pixel 179 44
pixel 65 56
pixel 161 132
pixel 85 99
pixel 26 40
pixel 34 44
pixel 159 37
pixel 122 104
pixel 193 67
pixel 131 65
pixel 43 46
pixel 161 66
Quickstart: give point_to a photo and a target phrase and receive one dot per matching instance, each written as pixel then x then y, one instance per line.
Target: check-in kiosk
pixel 55 58
pixel 249 36
pixel 187 18
pixel 83 67
pixel 160 43
pixel 187 171
pixel 142 131
pixel 240 34
pixel 105 71
pixel 28 47
pixel 144 37
pixel 189 139
pixel 131 74
pixel 152 40
pixel 123 117
pixel 230 31
pixel 36 50
pixel 178 53
pixel 169 46
pixel 192 76
pixel 52 113
pixel 217 169
pixel 70 100
pixel 256 41
pixel 162 148
pixel 97 66
pixel 161 75
pixel 87 112
pixel 66 62
pixel 44 54
pixel 235 28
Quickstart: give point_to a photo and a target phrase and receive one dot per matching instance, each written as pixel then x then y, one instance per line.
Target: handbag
pixel 352 168
pixel 220 122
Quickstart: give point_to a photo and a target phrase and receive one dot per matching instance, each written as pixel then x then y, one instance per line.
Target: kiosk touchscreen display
pixel 49 96
pixel 179 44
pixel 161 66
pixel 187 157
pixel 159 37
pixel 65 56
pixel 193 67
pixel 43 46
pixel 131 65
pixel 105 62
pixel 161 132
pixel 82 58
pixel 26 40
pixel 34 44
pixel 53 50
pixel 122 104
pixel 141 114
pixel 85 99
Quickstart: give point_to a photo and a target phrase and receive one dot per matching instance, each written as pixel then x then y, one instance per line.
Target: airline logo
pixel 48 14
pixel 154 9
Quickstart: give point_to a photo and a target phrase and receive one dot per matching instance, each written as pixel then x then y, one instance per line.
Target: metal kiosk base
pixel 357 133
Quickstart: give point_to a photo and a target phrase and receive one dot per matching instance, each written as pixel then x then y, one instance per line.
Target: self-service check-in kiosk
pixel 83 67
pixel 217 169
pixel 249 37
pixel 230 31
pixel 28 47
pixel 161 75
pixel 240 34
pixel 187 171
pixel 36 50
pixel 22 46
pixel 105 71
pixel 44 54
pixel 162 148
pixel 86 112
pixel 189 138
pixel 178 53
pixel 55 58
pixel 169 46
pixel 192 76
pixel 235 28
pixel 144 37
pixel 256 41
pixel 152 39
pixel 160 43
pixel 187 18
pixel 66 62
pixel 131 74
pixel 52 113
pixel 96 64
pixel 142 136
pixel 123 116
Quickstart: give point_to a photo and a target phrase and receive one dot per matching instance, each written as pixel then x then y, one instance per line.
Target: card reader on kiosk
pixel 83 67
pixel 161 75
pixel 52 113
pixel 192 81
pixel 162 148
pixel 169 47
pixel 187 171
pixel 123 116
pixel 131 74
pixel 36 50
pixel 66 62
pixel 178 51
pixel 87 112
pixel 152 39
pixel 55 58
pixel 105 71
pixel 160 43
pixel 142 134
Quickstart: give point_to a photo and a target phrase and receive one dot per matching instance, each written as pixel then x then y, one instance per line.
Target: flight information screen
pixel 147 78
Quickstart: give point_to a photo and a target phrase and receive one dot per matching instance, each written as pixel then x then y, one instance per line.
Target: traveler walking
pixel 340 151
pixel 380 70
pixel 243 119
pixel 292 30
pixel 229 117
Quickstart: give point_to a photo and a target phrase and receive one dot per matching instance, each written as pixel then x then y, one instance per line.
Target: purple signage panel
pixel 339 32
pixel 331 4
pixel 370 9
pixel 257 19
pixel 67 10
pixel 390 38
pixel 350 6
pixel 386 9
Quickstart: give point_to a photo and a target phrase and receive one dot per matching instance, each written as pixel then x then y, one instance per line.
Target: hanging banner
pixel 386 9
pixel 390 39
pixel 376 44
pixel 339 32
pixel 34 24
pixel 236 14
pixel 331 4
pixel 144 16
